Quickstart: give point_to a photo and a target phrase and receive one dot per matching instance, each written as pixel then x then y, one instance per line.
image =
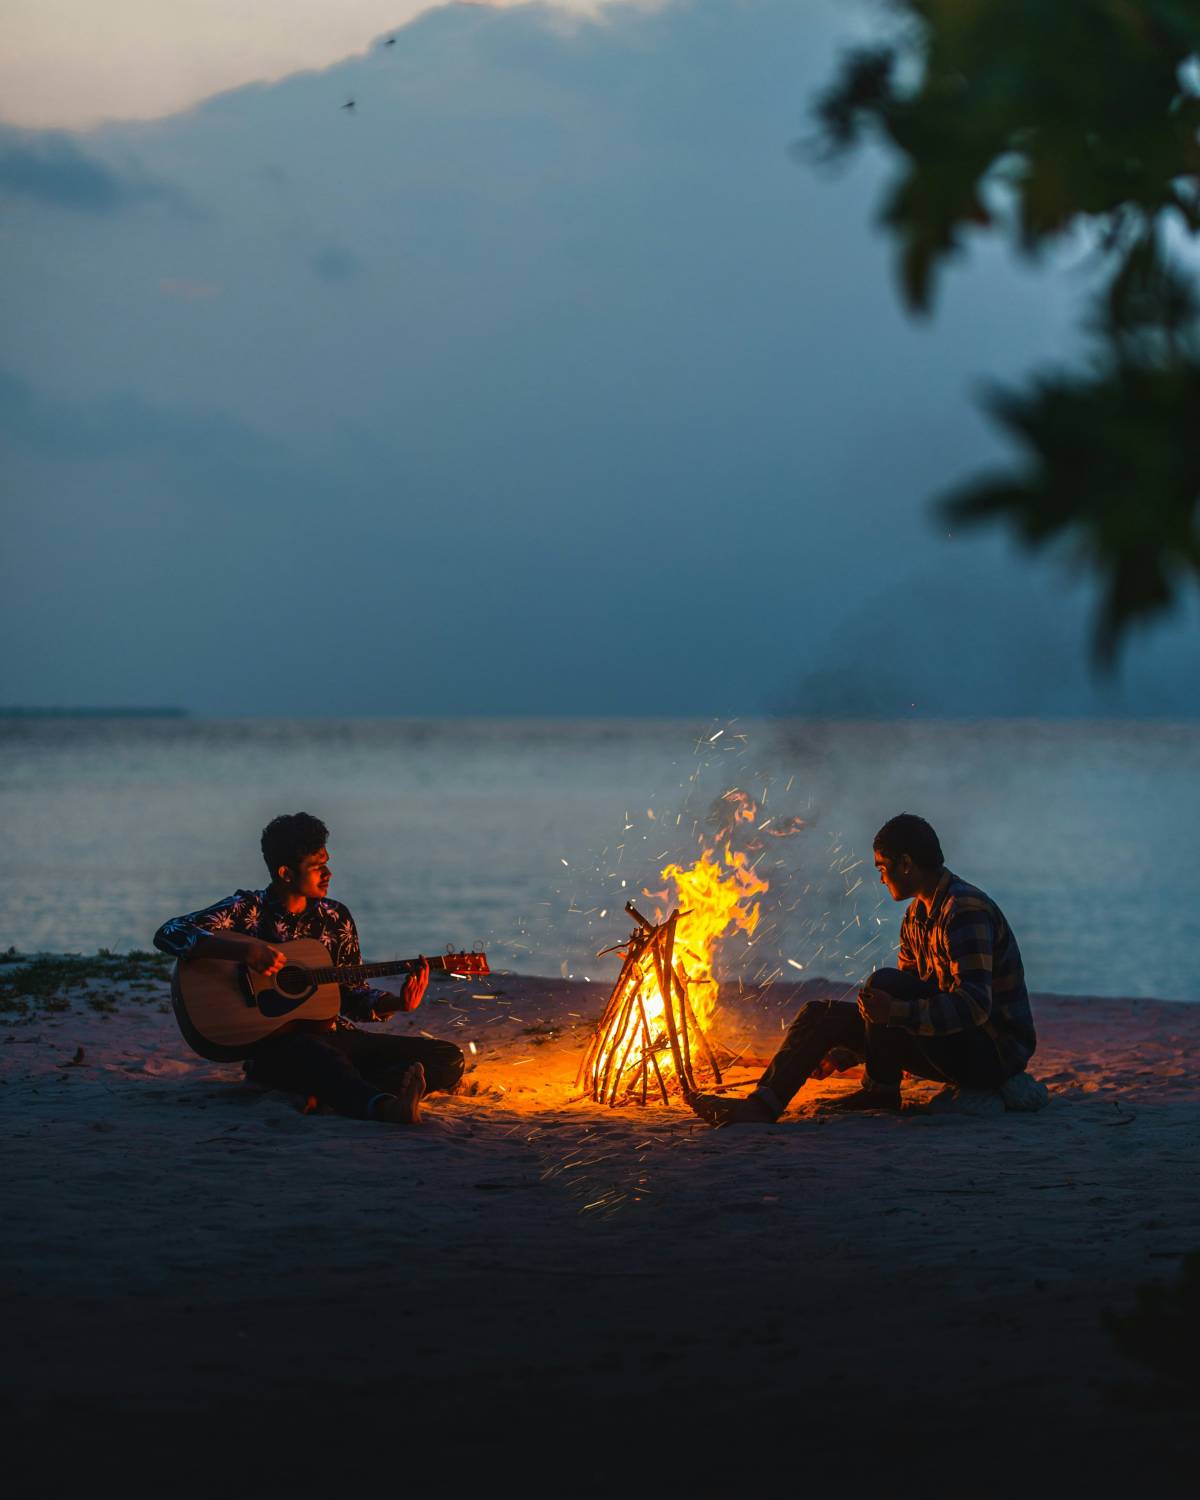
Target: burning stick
pixel 666 1000
pixel 593 1054
pixel 650 1052
pixel 668 976
pixel 617 1033
pixel 681 986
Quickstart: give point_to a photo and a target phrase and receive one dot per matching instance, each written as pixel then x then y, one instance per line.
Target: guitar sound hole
pixel 293 982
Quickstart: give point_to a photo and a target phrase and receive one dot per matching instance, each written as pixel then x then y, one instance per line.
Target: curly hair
pixel 908 834
pixel 288 838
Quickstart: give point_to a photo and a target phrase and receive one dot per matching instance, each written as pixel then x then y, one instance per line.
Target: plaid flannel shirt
pixel 965 946
pixel 255 913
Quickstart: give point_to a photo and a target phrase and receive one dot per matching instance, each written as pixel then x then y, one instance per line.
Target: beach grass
pixel 41 982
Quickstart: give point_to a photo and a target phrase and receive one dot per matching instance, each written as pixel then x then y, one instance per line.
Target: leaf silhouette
pixel 1028 120
pixel 1112 469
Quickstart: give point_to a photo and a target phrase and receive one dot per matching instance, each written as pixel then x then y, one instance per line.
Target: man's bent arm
pixel 968 1003
pixel 238 947
pixel 223 930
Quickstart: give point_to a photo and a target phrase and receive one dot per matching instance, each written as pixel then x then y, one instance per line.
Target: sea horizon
pixel 762 716
pixel 528 834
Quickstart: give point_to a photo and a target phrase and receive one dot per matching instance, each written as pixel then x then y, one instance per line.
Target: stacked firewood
pixel 637 1041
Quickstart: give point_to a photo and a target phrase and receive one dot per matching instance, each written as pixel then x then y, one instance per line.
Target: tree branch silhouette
pixel 1032 121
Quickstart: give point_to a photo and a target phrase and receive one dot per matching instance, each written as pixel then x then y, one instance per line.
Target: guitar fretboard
pixel 351 973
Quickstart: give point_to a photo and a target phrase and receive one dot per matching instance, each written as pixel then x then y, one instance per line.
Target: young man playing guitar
pixel 369 1077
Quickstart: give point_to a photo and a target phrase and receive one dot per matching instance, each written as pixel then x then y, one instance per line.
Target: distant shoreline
pixel 93 713
pixel 759 720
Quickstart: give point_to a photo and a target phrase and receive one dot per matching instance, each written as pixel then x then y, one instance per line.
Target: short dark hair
pixel 288 838
pixel 908 834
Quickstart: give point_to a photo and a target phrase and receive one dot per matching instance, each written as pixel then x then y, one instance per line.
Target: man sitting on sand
pixel 368 1077
pixel 955 1009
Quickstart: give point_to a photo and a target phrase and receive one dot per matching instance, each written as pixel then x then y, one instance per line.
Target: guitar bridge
pixel 249 998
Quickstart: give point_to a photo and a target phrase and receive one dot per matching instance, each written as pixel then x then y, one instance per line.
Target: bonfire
pixel 653 1040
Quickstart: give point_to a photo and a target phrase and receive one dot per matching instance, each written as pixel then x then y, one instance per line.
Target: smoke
pixel 734 816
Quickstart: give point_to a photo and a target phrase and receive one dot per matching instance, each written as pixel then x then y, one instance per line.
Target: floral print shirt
pixel 254 912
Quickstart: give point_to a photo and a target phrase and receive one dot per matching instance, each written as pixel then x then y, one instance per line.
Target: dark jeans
pixel 346 1069
pixel 969 1059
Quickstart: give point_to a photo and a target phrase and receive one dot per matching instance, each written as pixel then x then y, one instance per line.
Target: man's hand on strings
pixel 415 985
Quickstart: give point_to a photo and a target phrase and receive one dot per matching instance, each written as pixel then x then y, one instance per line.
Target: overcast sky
pixel 545 380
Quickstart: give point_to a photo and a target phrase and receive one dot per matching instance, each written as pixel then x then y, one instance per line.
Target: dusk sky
pixel 546 380
pixel 72 64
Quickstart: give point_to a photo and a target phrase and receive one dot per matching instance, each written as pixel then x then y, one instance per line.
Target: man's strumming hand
pixel 415 985
pixel 239 948
pixel 264 959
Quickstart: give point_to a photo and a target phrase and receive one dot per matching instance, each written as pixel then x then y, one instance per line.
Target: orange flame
pixel 715 898
pixel 712 903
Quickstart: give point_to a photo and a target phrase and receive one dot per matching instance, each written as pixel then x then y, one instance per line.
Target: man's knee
pixel 827 1013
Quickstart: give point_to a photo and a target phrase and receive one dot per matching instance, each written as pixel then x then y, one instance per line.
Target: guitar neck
pixel 352 973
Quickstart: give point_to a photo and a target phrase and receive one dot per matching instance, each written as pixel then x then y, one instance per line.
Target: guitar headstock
pixel 469 965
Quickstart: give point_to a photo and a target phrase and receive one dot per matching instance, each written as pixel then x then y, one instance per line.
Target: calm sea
pixel 528 836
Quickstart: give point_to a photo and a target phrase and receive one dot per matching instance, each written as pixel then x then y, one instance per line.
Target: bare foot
pixel 404 1106
pixel 718 1110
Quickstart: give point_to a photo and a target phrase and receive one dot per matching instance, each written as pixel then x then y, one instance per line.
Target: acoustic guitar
pixel 223 1008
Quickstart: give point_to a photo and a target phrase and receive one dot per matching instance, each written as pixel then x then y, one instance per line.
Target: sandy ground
pixel 203 1286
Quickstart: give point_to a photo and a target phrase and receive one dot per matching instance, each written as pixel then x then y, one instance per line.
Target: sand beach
pixel 204 1285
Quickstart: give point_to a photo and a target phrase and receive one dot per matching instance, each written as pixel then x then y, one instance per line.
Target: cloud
pixel 565 380
pixel 51 168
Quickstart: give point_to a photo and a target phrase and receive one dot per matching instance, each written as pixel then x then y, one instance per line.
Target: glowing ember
pixel 653 1034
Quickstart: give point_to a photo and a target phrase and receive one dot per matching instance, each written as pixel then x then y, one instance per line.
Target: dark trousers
pixel 346 1069
pixel 969 1059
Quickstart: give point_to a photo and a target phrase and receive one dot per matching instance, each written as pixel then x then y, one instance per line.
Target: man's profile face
pixel 311 877
pixel 898 875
